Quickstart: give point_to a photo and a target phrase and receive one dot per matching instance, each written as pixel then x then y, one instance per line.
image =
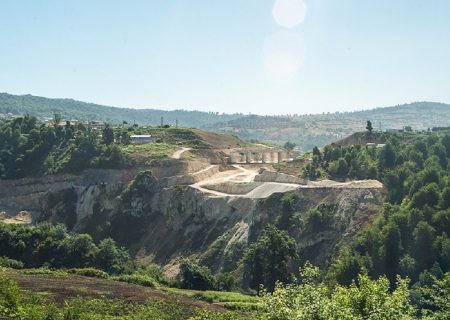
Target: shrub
pixel 139 279
pixel 45 271
pixel 154 271
pixel 89 272
pixel 195 277
pixel 225 281
pixel 9 298
pixel 10 263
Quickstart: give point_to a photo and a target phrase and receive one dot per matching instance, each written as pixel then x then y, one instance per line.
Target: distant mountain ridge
pixel 306 131
pixel 73 109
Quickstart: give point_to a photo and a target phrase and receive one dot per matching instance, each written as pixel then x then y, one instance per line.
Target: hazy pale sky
pixel 250 56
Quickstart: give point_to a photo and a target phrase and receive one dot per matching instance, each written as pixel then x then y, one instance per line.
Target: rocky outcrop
pixel 34 194
pixel 184 221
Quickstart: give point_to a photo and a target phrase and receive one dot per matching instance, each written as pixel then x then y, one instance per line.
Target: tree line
pixel 29 147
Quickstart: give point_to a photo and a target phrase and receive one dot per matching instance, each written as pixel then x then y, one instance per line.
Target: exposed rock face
pixel 184 221
pixel 272 176
pixel 162 217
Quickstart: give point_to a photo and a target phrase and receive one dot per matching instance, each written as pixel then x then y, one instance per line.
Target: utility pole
pixel 162 121
pixel 176 123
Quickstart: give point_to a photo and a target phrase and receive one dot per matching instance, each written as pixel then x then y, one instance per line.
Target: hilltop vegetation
pixel 411 235
pixel 306 131
pixel 29 147
pixel 72 109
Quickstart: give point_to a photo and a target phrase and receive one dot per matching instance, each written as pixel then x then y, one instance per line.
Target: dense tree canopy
pixel 411 234
pixel 28 147
pixel 266 260
pixel 53 246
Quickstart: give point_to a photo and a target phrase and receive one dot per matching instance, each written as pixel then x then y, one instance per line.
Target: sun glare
pixel 289 13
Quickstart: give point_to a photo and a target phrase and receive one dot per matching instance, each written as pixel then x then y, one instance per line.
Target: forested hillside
pixel 73 109
pixel 306 131
pixel 411 236
pixel 28 147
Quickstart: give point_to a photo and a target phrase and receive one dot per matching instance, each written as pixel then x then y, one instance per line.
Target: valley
pixel 186 218
pixel 187 203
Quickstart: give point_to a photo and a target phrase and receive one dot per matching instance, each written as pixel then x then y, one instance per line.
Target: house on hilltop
pixel 141 138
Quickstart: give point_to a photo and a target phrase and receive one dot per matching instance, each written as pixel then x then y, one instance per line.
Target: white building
pixel 141 138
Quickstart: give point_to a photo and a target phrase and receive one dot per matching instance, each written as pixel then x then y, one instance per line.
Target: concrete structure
pixel 141 138
pixel 260 157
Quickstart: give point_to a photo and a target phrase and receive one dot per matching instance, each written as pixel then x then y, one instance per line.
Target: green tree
pixel 194 276
pixel 266 260
pixel 111 258
pixel 107 135
pixel 392 249
pixel 346 268
pixel 444 202
pixel 316 152
pixel 423 245
pixel 368 299
pixel 387 157
pixel 289 146
pixel 427 195
pixel 369 127
pixel 338 169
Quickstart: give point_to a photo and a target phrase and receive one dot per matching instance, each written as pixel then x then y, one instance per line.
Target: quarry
pixel 203 204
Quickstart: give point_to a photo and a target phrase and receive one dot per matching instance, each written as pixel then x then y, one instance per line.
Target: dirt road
pixel 239 182
pixel 177 154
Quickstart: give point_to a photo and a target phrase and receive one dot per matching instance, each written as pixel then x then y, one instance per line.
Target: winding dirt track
pixel 240 176
pixel 177 154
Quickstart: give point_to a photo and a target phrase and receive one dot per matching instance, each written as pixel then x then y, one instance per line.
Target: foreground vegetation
pixel 412 235
pixel 307 299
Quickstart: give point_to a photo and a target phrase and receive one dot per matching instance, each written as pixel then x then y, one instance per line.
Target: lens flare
pixel 283 55
pixel 289 13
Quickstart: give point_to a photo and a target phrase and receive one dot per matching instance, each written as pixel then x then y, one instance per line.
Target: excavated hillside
pixel 197 206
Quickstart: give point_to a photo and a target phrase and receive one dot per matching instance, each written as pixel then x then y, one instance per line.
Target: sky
pixel 248 56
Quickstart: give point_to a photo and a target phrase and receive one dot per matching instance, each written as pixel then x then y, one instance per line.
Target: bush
pixel 225 282
pixel 55 247
pixel 9 298
pixel 45 271
pixel 195 277
pixel 154 271
pixel 139 279
pixel 89 272
pixel 10 263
